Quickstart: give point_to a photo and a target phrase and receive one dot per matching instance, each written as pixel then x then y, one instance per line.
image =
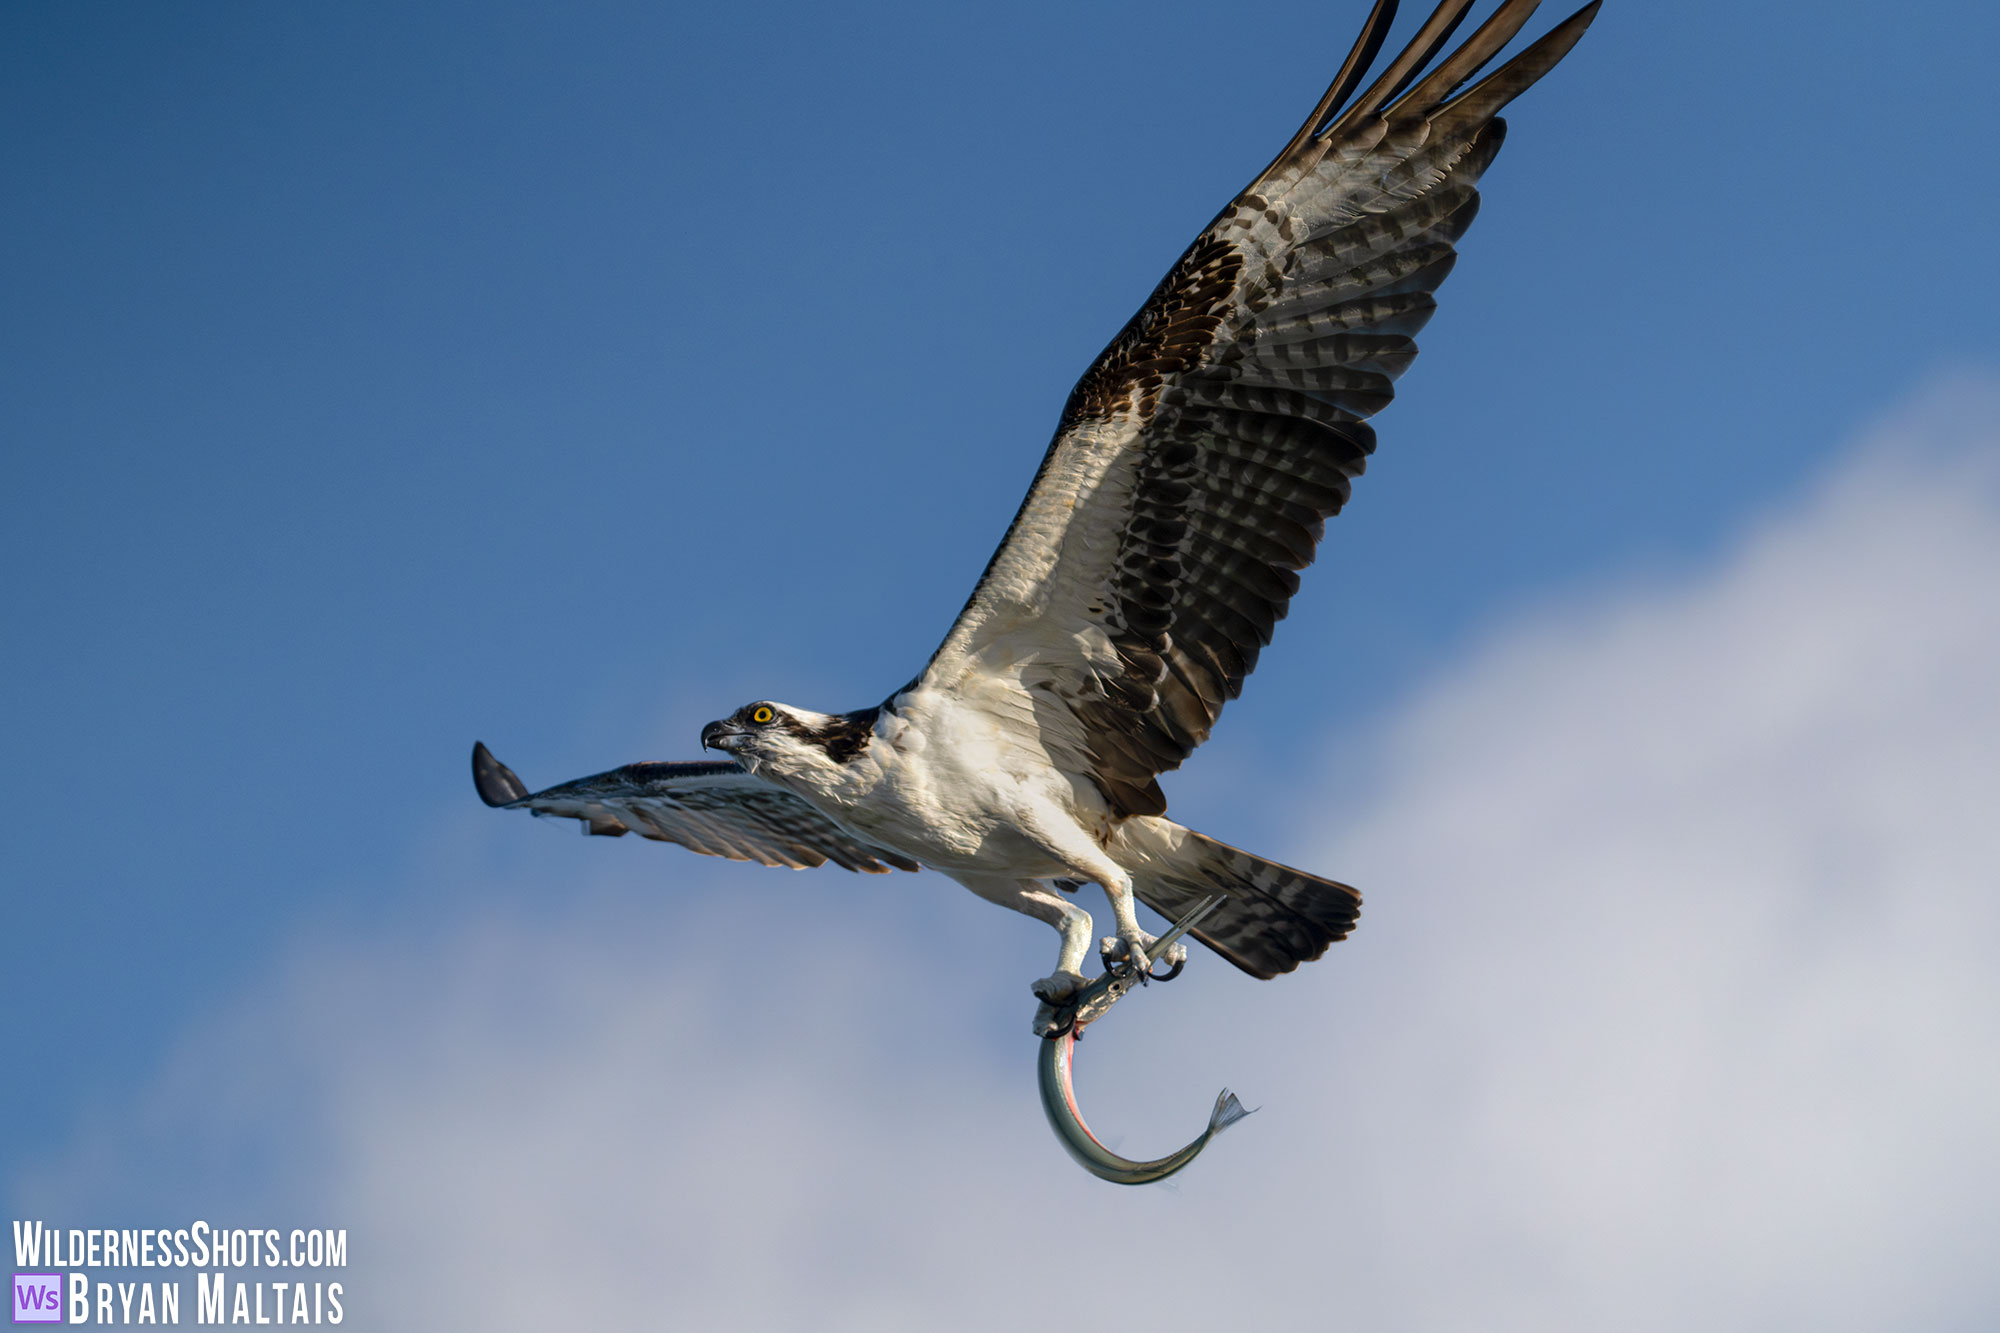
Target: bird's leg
pixel 1043 903
pixel 1132 944
pixel 1060 991
pixel 1061 986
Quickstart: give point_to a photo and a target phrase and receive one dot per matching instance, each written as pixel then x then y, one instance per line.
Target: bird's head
pixel 778 741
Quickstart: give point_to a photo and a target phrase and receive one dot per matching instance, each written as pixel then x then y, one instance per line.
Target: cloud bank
pixel 1674 1006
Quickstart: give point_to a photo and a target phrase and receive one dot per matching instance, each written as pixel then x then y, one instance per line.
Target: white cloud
pixel 1696 904
pixel 1674 1006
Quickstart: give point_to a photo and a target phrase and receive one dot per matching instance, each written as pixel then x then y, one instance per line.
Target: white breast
pixel 961 784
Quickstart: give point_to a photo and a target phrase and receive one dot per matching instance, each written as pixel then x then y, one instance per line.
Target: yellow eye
pixel 761 714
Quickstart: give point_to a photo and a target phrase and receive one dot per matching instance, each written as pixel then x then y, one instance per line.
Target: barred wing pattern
pixel 1197 459
pixel 713 808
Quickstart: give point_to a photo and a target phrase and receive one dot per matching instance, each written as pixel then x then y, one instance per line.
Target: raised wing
pixel 1198 457
pixel 716 809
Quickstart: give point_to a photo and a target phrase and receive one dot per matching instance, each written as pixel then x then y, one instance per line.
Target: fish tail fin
pixel 1227 1112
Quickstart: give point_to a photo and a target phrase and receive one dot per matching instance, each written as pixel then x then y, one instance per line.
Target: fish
pixel 1055 1073
pixel 1054 1069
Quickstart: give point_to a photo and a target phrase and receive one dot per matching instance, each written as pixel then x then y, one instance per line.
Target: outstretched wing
pixel 1199 456
pixel 716 809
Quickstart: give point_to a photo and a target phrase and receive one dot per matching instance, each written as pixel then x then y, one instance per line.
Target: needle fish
pixel 1059 1100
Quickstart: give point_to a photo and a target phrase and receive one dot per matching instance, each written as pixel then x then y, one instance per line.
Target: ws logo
pixel 38 1298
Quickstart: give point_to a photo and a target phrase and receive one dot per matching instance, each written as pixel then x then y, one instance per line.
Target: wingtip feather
pixel 1472 54
pixel 496 783
pixel 1367 45
pixel 1429 40
pixel 1503 85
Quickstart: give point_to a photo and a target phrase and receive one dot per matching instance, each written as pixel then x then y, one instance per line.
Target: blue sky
pixel 376 378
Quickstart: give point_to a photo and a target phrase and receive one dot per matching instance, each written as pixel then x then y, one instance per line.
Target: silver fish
pixel 1059 1100
pixel 1054 1072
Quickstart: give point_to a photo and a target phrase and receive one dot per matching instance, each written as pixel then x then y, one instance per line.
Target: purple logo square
pixel 38 1298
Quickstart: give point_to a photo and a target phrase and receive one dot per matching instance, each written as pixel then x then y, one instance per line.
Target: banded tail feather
pixel 1274 917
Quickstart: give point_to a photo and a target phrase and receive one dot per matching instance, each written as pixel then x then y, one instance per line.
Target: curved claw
pixel 1122 969
pixel 1051 1022
pixel 1119 963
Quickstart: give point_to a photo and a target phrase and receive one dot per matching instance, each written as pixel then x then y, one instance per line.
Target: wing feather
pixel 1198 458
pixel 716 809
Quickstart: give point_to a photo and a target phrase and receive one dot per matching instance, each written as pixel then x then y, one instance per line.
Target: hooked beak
pixel 722 735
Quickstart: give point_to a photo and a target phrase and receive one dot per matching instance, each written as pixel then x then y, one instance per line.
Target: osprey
pixel 1190 475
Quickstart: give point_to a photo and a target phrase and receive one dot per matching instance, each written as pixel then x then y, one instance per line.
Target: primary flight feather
pixel 1191 473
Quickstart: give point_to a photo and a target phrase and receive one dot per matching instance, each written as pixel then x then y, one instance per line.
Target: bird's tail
pixel 1273 917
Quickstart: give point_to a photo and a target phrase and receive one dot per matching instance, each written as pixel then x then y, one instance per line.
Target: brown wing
pixel 1198 458
pixel 714 808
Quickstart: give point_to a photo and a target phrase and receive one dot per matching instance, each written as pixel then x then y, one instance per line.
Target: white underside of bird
pixel 960 787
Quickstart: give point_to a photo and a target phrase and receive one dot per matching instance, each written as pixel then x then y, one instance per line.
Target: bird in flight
pixel 1191 474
